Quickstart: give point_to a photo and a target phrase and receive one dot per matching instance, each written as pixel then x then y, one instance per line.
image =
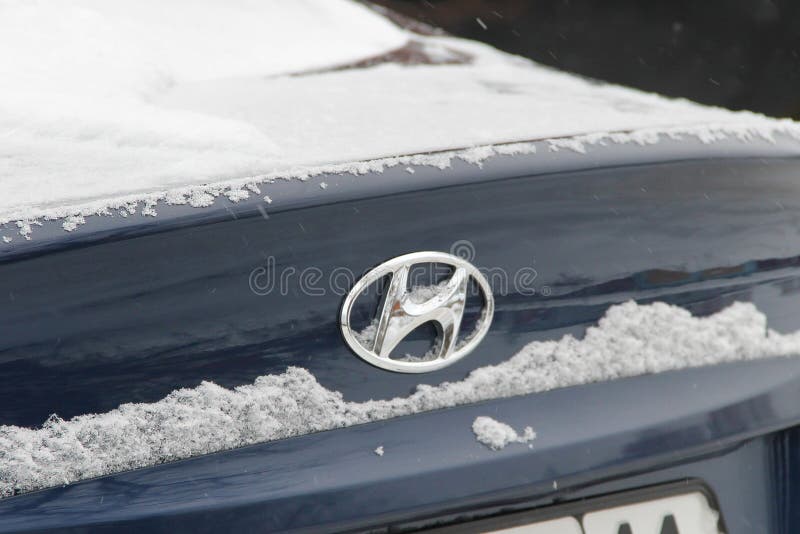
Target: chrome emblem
pixel 402 311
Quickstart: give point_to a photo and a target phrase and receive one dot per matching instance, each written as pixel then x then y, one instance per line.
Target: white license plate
pixel 688 513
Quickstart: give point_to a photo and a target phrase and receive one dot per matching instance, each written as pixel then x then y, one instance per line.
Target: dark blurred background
pixel 739 54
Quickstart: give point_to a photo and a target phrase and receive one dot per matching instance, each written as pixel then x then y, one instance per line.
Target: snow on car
pixel 288 233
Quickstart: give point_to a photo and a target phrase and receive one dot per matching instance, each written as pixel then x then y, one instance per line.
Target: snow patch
pixel 72 222
pixel 78 111
pixel 106 106
pixel 497 435
pixel 629 340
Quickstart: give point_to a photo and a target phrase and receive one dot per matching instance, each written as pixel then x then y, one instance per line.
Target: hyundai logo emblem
pixel 402 311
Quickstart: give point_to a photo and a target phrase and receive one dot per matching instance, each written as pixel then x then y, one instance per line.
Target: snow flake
pixel 497 435
pixel 72 222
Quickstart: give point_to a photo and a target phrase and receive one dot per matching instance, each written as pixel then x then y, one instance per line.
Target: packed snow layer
pixel 497 435
pixel 78 80
pixel 629 340
pixel 112 105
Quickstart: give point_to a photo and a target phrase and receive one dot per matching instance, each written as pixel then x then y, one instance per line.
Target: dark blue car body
pixel 128 310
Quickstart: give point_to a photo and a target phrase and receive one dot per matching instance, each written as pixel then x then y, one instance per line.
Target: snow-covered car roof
pixel 108 106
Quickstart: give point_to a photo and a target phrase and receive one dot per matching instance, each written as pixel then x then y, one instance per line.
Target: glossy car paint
pixel 127 310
